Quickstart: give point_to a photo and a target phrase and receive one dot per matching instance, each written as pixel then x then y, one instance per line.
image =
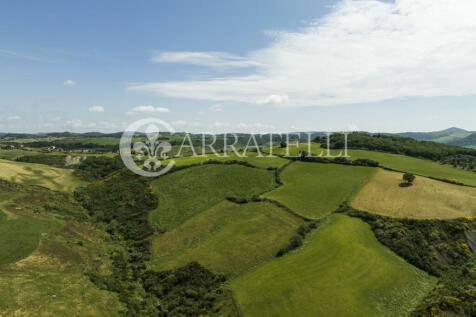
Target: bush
pixel 297 239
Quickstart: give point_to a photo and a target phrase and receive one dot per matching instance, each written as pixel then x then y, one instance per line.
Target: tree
pixel 282 144
pixel 409 178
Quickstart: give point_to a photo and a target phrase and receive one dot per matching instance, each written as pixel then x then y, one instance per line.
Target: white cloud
pixel 273 100
pixel 363 51
pixel 75 123
pixel 96 109
pixel 13 118
pixel 216 108
pixel 69 82
pixel 210 59
pixel 148 109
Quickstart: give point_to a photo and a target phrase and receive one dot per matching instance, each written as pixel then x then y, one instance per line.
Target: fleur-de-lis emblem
pixel 152 148
pixel 146 157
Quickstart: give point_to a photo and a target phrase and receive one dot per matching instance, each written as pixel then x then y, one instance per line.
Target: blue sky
pixel 238 66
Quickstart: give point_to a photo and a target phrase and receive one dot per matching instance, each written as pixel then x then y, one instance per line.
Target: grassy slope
pixel 315 190
pixel 14 154
pixel 342 270
pixel 394 161
pixel 52 281
pixel 39 174
pixel 227 238
pixel 262 162
pixel 427 198
pixel 187 192
pixel 417 166
pixel 42 264
pixel 19 237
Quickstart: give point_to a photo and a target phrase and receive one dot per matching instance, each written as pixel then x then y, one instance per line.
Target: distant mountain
pixel 447 136
pixel 454 130
pixel 468 141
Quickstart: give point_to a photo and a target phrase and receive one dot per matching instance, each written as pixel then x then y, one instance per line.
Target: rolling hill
pixel 187 192
pixel 38 174
pixel 342 270
pixel 229 238
pixel 315 190
pixel 426 198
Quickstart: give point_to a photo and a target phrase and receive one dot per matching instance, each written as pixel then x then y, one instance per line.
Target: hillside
pixel 45 253
pixel 315 190
pixel 37 174
pixel 187 192
pixel 469 140
pixel 342 270
pixel 426 198
pixel 443 136
pixel 228 238
pixel 239 236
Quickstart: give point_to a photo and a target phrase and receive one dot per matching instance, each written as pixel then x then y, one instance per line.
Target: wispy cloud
pixel 69 82
pixel 216 108
pixel 96 109
pixel 148 109
pixel 210 59
pixel 13 118
pixel 363 51
pixel 75 123
pixel 273 100
pixel 33 58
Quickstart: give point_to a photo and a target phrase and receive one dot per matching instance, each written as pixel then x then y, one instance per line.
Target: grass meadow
pixel 342 270
pixel 228 238
pixel 43 261
pixel 51 281
pixel 19 237
pixel 426 198
pixel 314 190
pixel 397 162
pixel 187 192
pixel 252 158
pixel 39 174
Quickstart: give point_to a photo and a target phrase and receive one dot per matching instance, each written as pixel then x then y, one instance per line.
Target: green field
pixel 398 162
pixel 251 157
pixel 51 281
pixel 19 232
pixel 342 270
pixel 187 192
pixel 417 166
pixel 19 237
pixel 39 174
pixel 14 154
pixel 42 263
pixel 314 190
pixel 426 198
pixel 228 238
